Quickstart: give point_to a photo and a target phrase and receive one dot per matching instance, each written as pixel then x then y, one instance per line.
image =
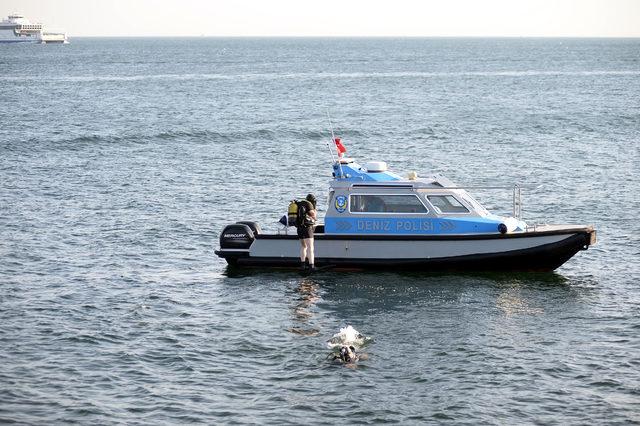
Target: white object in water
pixel 347 336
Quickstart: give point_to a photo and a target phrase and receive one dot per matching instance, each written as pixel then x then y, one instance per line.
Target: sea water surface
pixel 122 159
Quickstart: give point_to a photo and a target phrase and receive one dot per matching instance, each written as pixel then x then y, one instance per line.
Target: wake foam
pixel 347 336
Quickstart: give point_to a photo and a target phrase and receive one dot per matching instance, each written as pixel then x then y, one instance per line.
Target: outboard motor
pixel 236 236
pixel 253 225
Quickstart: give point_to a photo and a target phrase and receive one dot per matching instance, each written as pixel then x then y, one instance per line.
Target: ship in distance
pixel 18 29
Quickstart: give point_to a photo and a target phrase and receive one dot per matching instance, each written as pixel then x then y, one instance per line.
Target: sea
pixel 121 160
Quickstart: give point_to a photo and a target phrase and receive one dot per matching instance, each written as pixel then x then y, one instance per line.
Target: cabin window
pixel 447 204
pixel 370 203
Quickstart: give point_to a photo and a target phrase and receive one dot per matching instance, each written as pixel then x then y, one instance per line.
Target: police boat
pixel 377 219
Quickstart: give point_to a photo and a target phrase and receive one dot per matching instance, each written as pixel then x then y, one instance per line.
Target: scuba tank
pixel 292 213
pixel 303 219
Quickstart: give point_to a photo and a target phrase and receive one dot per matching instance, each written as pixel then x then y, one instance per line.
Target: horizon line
pixel 366 36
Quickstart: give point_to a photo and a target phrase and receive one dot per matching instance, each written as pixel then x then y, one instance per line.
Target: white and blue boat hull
pixel 542 250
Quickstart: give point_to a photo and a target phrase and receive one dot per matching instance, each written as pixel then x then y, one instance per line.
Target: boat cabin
pixel 369 199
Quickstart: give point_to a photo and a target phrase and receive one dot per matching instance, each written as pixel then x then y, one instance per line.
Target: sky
pixel 411 18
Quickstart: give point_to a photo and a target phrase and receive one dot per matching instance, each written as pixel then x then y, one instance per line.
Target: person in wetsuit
pixel 305 231
pixel 347 354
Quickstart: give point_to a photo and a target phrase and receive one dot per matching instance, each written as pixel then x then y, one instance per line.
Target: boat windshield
pixel 447 204
pixel 386 203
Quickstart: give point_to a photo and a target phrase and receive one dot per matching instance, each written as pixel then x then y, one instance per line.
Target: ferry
pixel 377 219
pixel 18 29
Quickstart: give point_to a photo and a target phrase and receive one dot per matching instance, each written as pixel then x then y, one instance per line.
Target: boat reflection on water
pixel 308 296
pixel 349 294
pixel 512 302
pixel 366 297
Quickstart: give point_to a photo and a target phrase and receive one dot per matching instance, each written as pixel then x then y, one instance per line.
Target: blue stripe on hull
pixel 413 226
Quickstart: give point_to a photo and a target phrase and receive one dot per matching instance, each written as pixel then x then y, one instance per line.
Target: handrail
pixel 517 201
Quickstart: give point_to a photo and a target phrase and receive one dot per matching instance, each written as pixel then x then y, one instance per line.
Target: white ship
pixel 16 28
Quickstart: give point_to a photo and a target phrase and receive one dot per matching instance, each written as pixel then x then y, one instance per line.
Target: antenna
pixel 333 158
pixel 333 140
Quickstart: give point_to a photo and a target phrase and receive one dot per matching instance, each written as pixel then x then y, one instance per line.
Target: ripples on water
pixel 121 160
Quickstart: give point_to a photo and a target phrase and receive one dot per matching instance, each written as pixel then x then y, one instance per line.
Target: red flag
pixel 339 147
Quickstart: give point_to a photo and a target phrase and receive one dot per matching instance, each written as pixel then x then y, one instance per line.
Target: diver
pixel 305 224
pixel 346 342
pixel 346 355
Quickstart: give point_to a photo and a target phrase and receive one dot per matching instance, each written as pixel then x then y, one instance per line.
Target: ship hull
pixel 542 250
pixel 18 40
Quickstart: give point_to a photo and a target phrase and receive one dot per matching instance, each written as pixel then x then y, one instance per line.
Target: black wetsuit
pixel 306 231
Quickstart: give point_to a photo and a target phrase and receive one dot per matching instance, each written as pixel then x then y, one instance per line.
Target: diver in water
pixel 305 224
pixel 346 342
pixel 347 354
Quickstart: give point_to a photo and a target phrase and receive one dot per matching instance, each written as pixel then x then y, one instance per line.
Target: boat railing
pixel 517 195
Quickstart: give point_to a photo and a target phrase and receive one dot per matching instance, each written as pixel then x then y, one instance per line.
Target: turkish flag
pixel 339 147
